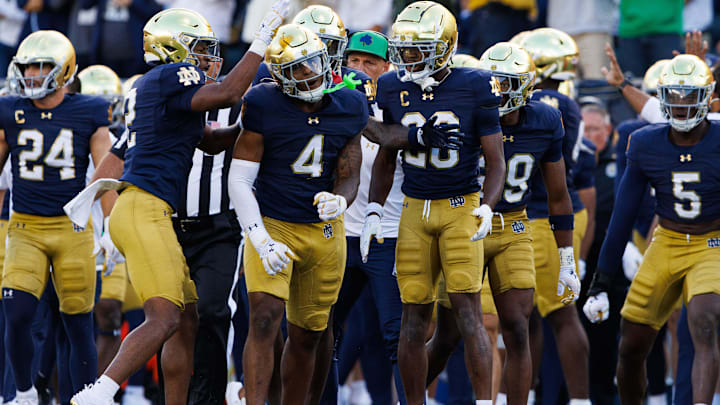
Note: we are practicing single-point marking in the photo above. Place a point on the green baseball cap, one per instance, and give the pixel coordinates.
(370, 42)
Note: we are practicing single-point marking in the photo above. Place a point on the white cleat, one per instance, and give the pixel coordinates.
(232, 393)
(89, 397)
(135, 395)
(26, 398)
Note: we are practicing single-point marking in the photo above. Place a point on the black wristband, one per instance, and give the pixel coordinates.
(624, 83)
(601, 282)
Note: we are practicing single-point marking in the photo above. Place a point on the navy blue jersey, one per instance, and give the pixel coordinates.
(163, 130)
(647, 208)
(5, 213)
(685, 179)
(584, 176)
(50, 149)
(537, 206)
(300, 149)
(466, 97)
(537, 138)
(367, 87)
(119, 148)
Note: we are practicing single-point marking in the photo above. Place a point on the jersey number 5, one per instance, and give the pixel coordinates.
(59, 156)
(419, 159)
(679, 179)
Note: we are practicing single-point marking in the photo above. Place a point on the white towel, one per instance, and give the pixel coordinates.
(79, 208)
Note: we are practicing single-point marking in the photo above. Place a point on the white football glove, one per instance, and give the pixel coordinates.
(272, 21)
(597, 308)
(371, 227)
(631, 260)
(486, 215)
(112, 255)
(582, 268)
(329, 205)
(275, 256)
(567, 277)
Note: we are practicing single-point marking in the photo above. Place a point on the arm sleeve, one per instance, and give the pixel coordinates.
(555, 151)
(621, 157)
(179, 83)
(486, 115)
(632, 188)
(571, 120)
(240, 182)
(251, 114)
(102, 115)
(120, 146)
(584, 177)
(651, 111)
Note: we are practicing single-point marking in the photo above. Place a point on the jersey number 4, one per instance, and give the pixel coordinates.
(420, 159)
(60, 155)
(310, 159)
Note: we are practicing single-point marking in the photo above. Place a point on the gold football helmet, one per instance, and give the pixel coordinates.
(42, 48)
(463, 60)
(327, 25)
(554, 52)
(424, 39)
(514, 69)
(652, 75)
(181, 35)
(298, 59)
(519, 37)
(684, 89)
(100, 80)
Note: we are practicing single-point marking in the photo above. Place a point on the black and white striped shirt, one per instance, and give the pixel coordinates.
(207, 186)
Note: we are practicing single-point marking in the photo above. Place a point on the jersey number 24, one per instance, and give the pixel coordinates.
(60, 156)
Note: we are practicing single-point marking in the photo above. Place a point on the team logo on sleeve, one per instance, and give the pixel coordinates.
(328, 231)
(188, 77)
(551, 101)
(495, 86)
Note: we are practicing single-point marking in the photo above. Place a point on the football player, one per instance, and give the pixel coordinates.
(555, 55)
(50, 136)
(303, 144)
(532, 135)
(442, 217)
(99, 80)
(677, 160)
(367, 53)
(164, 113)
(328, 26)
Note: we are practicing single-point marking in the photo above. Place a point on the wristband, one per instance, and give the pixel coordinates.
(562, 222)
(415, 137)
(624, 83)
(374, 208)
(567, 257)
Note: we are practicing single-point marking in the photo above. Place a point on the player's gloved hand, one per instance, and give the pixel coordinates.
(631, 260)
(568, 278)
(486, 215)
(597, 306)
(435, 136)
(371, 227)
(275, 256)
(582, 269)
(112, 255)
(268, 26)
(329, 205)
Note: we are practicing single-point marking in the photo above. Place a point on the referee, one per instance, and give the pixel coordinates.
(209, 233)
